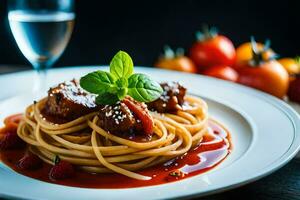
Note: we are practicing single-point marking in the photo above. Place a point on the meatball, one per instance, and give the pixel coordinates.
(118, 119)
(68, 101)
(171, 99)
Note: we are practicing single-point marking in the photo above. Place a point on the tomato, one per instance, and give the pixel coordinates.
(291, 65)
(177, 62)
(12, 122)
(244, 52)
(263, 72)
(212, 49)
(294, 90)
(140, 112)
(222, 72)
(269, 76)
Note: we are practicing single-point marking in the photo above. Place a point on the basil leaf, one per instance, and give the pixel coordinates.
(97, 82)
(143, 89)
(121, 66)
(122, 92)
(122, 82)
(107, 99)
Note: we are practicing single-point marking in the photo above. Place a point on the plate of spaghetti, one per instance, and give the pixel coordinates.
(121, 132)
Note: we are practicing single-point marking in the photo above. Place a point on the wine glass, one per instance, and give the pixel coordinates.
(42, 29)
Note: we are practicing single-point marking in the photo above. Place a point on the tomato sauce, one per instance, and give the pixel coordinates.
(213, 149)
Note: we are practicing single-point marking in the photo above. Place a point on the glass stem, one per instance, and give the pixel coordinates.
(40, 82)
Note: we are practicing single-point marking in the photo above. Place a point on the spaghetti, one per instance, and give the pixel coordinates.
(88, 146)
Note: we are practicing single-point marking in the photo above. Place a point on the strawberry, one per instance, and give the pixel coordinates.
(61, 170)
(11, 141)
(30, 162)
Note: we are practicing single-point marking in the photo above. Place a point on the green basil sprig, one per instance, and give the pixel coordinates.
(113, 86)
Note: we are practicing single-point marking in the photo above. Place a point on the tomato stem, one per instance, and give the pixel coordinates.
(179, 52)
(257, 55)
(267, 45)
(170, 54)
(206, 33)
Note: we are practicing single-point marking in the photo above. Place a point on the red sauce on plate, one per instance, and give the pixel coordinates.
(211, 151)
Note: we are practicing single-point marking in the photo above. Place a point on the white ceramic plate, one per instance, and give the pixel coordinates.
(265, 134)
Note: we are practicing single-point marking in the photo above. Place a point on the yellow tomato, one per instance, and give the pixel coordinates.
(244, 52)
(176, 61)
(181, 63)
(291, 65)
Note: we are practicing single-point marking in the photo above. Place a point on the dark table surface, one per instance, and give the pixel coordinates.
(283, 184)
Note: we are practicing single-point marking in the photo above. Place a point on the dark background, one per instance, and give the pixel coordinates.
(142, 28)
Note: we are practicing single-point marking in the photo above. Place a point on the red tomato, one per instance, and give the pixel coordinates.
(222, 72)
(12, 122)
(212, 49)
(294, 90)
(139, 111)
(269, 76)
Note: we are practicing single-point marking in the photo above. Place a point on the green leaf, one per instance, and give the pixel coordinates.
(114, 86)
(97, 82)
(143, 89)
(107, 99)
(122, 82)
(121, 66)
(122, 93)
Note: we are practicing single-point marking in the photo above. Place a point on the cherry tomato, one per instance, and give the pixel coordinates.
(269, 76)
(12, 122)
(244, 52)
(222, 72)
(291, 65)
(294, 90)
(212, 49)
(177, 61)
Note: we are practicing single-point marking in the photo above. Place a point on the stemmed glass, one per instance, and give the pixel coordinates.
(42, 29)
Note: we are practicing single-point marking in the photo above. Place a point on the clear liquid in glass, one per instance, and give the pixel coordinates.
(41, 36)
